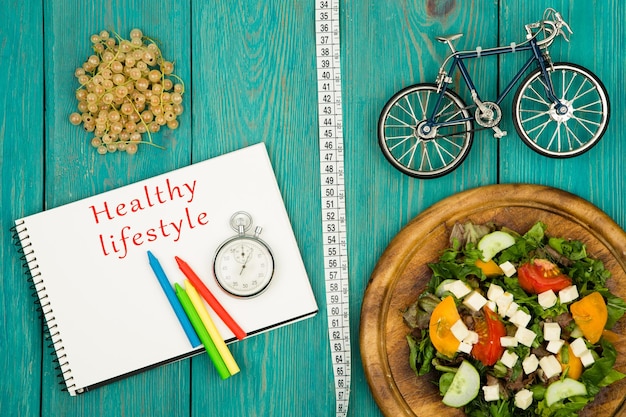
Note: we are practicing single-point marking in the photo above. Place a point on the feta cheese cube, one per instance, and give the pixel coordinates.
(547, 299)
(508, 268)
(503, 302)
(471, 338)
(513, 307)
(458, 288)
(509, 358)
(491, 392)
(530, 364)
(587, 358)
(550, 366)
(579, 347)
(520, 318)
(475, 301)
(492, 305)
(554, 346)
(494, 292)
(523, 399)
(551, 331)
(459, 330)
(508, 341)
(525, 336)
(465, 347)
(568, 294)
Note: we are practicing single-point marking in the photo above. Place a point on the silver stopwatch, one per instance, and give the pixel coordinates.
(244, 264)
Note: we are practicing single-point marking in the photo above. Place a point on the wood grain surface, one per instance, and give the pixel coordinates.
(250, 76)
(402, 273)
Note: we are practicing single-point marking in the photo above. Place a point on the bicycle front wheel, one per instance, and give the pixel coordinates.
(418, 147)
(568, 128)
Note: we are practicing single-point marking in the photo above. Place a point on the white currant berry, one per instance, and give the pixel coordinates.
(75, 119)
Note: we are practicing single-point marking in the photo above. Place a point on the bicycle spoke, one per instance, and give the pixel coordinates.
(412, 112)
(567, 128)
(538, 115)
(539, 99)
(411, 151)
(390, 138)
(402, 123)
(442, 112)
(541, 126)
(579, 94)
(402, 142)
(566, 88)
(423, 106)
(440, 150)
(452, 143)
(582, 122)
(571, 132)
(425, 165)
(583, 109)
(452, 116)
(554, 136)
(409, 112)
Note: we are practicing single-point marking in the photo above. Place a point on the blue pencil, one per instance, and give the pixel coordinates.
(173, 299)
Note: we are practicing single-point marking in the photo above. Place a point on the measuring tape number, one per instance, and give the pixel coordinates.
(333, 195)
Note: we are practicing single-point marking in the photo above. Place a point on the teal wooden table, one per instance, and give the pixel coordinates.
(250, 72)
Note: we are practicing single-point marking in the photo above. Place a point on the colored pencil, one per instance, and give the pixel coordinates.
(196, 322)
(171, 297)
(210, 298)
(209, 325)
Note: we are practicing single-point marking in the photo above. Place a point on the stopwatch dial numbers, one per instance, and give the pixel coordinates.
(244, 267)
(241, 253)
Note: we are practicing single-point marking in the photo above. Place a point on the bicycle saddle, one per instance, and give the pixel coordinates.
(449, 38)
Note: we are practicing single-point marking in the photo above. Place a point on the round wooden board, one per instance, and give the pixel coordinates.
(401, 275)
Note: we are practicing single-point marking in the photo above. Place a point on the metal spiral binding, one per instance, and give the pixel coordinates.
(51, 333)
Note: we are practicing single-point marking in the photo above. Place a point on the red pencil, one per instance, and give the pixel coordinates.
(210, 298)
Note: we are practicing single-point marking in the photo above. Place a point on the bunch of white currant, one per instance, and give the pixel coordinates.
(127, 89)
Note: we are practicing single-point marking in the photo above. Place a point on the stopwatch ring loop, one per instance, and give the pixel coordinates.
(241, 219)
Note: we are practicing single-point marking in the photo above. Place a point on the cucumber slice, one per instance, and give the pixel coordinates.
(441, 288)
(576, 332)
(493, 243)
(566, 388)
(464, 387)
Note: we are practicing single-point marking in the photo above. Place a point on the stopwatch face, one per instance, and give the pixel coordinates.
(244, 266)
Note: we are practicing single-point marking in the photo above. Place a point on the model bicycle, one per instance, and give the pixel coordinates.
(560, 109)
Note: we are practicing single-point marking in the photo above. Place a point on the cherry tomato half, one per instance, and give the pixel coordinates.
(540, 275)
(490, 329)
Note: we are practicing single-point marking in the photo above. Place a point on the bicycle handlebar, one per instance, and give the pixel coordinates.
(552, 25)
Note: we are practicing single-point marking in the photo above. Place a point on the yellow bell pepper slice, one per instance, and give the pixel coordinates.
(489, 268)
(590, 314)
(573, 366)
(442, 319)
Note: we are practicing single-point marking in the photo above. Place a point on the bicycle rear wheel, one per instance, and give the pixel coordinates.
(414, 146)
(568, 130)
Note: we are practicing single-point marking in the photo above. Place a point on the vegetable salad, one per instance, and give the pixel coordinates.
(515, 324)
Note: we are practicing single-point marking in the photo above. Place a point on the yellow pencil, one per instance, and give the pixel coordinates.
(198, 304)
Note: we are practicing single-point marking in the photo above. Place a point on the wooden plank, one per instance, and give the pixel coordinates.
(254, 75)
(597, 43)
(387, 46)
(21, 156)
(390, 46)
(74, 170)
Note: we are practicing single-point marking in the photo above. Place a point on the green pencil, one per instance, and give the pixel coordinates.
(203, 334)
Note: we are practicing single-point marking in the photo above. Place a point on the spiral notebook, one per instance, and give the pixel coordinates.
(104, 309)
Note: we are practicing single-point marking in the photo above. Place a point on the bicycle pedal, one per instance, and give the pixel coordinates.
(498, 133)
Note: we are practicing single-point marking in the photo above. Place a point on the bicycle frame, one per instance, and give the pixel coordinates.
(458, 59)
(559, 109)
